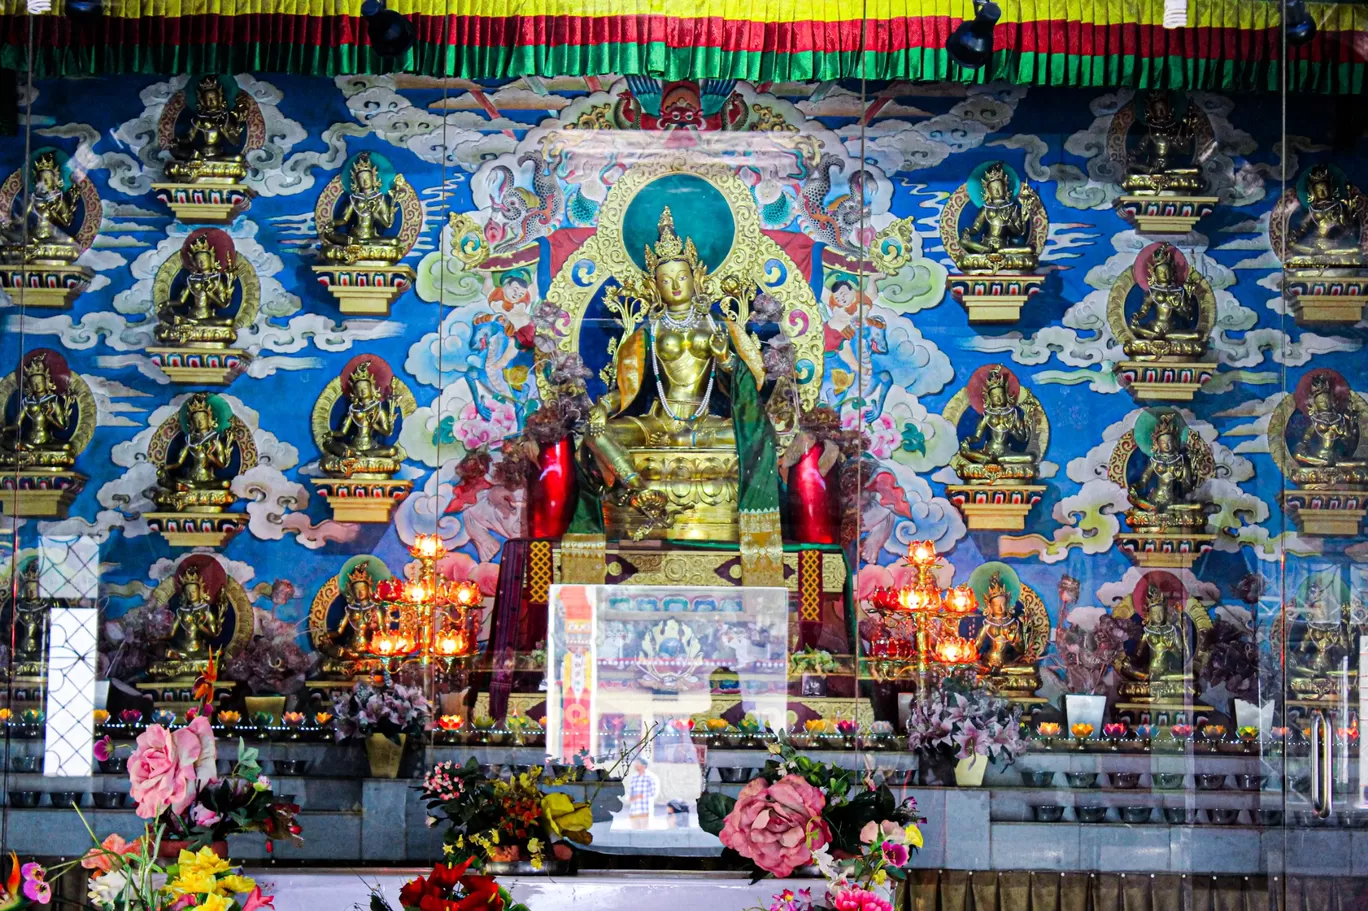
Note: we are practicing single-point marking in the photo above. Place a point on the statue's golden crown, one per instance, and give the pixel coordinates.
(997, 378)
(199, 402)
(36, 366)
(1319, 174)
(29, 572)
(996, 587)
(360, 573)
(190, 576)
(1165, 254)
(47, 161)
(362, 373)
(362, 162)
(201, 245)
(669, 248)
(1167, 425)
(1320, 384)
(996, 172)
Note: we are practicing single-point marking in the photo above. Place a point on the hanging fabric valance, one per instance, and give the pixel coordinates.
(1230, 44)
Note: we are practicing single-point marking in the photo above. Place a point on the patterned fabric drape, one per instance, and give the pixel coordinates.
(1230, 44)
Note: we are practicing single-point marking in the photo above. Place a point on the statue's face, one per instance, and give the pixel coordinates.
(1163, 273)
(203, 261)
(997, 396)
(211, 97)
(675, 282)
(997, 606)
(192, 592)
(37, 384)
(360, 590)
(366, 180)
(995, 190)
(363, 390)
(1159, 107)
(46, 180)
(1158, 611)
(1319, 190)
(201, 421)
(28, 587)
(1164, 442)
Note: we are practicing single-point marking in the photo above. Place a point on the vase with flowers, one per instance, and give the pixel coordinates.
(958, 730)
(383, 717)
(273, 666)
(800, 813)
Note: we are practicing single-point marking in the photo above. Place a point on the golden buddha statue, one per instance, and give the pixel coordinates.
(360, 616)
(999, 239)
(197, 620)
(1002, 632)
(673, 458)
(357, 448)
(198, 316)
(38, 436)
(1000, 447)
(189, 480)
(49, 218)
(1166, 323)
(1162, 161)
(31, 621)
(1326, 454)
(1322, 641)
(1164, 647)
(1330, 232)
(204, 155)
(356, 235)
(1166, 485)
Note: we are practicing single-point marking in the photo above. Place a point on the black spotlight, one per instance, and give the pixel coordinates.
(971, 43)
(390, 33)
(1298, 25)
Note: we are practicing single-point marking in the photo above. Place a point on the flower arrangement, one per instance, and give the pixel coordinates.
(393, 711)
(450, 888)
(959, 722)
(492, 820)
(274, 662)
(801, 812)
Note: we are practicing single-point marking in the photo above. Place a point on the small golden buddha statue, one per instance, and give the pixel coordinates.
(1330, 232)
(1162, 161)
(999, 239)
(685, 355)
(356, 235)
(190, 477)
(1164, 646)
(1326, 452)
(1166, 323)
(1325, 638)
(356, 448)
(1169, 479)
(37, 438)
(1000, 444)
(1001, 634)
(197, 620)
(360, 616)
(31, 622)
(204, 155)
(50, 218)
(198, 316)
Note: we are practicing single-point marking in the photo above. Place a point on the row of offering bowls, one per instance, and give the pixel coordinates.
(1161, 781)
(1174, 816)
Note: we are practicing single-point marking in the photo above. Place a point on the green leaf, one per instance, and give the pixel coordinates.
(713, 809)
(913, 440)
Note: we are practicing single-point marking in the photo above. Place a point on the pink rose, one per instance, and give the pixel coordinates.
(201, 815)
(777, 825)
(855, 899)
(168, 768)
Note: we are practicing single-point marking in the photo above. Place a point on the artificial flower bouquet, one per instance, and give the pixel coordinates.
(492, 820)
(959, 721)
(450, 888)
(800, 813)
(130, 877)
(393, 712)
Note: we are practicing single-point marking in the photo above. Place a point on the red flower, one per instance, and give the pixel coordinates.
(412, 892)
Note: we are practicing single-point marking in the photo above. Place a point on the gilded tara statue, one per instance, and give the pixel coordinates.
(210, 151)
(357, 234)
(1002, 236)
(1163, 160)
(199, 313)
(51, 218)
(39, 436)
(47, 418)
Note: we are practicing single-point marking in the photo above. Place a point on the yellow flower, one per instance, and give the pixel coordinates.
(880, 877)
(563, 815)
(236, 884)
(448, 850)
(100, 716)
(192, 883)
(913, 836)
(215, 903)
(202, 861)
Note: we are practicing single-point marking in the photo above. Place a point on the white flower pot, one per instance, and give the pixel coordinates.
(1249, 715)
(1085, 709)
(969, 772)
(101, 694)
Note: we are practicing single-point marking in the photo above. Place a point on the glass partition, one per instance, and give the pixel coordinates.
(998, 444)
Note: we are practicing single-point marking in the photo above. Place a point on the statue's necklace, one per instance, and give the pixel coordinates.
(687, 323)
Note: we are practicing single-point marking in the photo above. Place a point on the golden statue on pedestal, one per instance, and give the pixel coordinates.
(998, 251)
(345, 615)
(1163, 159)
(1319, 229)
(1162, 665)
(198, 452)
(1161, 464)
(47, 418)
(357, 235)
(1014, 632)
(685, 356)
(368, 219)
(209, 152)
(355, 425)
(1162, 311)
(30, 617)
(209, 611)
(1321, 637)
(999, 458)
(1315, 437)
(203, 294)
(46, 226)
(50, 217)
